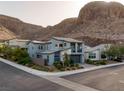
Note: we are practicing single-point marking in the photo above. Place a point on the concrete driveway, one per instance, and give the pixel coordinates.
(104, 79)
(14, 79)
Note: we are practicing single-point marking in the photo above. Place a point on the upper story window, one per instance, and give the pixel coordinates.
(73, 47)
(79, 47)
(56, 45)
(60, 45)
(40, 47)
(64, 44)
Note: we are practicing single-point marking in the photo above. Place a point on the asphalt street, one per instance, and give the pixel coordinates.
(109, 79)
(13, 79)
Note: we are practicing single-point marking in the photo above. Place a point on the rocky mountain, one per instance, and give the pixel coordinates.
(20, 28)
(98, 22)
(5, 34)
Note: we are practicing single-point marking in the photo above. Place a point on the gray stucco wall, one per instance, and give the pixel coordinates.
(54, 42)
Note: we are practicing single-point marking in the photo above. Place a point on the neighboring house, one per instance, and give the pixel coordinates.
(1, 43)
(55, 49)
(94, 53)
(35, 48)
(21, 43)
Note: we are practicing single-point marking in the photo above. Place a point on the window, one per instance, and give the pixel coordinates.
(92, 55)
(40, 47)
(57, 56)
(60, 45)
(64, 44)
(56, 45)
(73, 47)
(79, 47)
(38, 56)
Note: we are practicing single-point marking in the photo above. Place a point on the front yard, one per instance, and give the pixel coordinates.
(20, 56)
(101, 62)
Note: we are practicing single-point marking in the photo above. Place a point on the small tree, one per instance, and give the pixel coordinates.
(121, 49)
(103, 55)
(15, 54)
(115, 51)
(66, 60)
(110, 52)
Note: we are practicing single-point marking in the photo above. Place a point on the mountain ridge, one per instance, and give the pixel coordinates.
(98, 22)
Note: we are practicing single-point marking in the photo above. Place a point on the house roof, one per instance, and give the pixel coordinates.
(38, 42)
(20, 40)
(23, 40)
(67, 39)
(98, 47)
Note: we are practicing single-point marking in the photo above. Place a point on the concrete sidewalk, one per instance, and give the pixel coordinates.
(69, 84)
(57, 74)
(88, 65)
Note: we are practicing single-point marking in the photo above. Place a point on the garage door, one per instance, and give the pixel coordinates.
(76, 58)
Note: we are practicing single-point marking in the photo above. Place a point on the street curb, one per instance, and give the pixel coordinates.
(58, 74)
(51, 77)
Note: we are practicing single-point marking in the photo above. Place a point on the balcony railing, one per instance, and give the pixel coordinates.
(79, 50)
(73, 50)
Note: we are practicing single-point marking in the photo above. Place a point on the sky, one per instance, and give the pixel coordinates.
(44, 13)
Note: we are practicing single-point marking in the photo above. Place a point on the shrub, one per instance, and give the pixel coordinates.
(13, 58)
(66, 60)
(55, 63)
(24, 61)
(58, 65)
(88, 61)
(67, 68)
(103, 56)
(96, 62)
(81, 67)
(73, 68)
(62, 69)
(38, 67)
(51, 69)
(77, 65)
(71, 63)
(103, 62)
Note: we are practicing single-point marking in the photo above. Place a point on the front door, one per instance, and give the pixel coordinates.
(57, 56)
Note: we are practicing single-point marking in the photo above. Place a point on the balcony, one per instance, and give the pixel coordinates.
(73, 50)
(79, 50)
(76, 47)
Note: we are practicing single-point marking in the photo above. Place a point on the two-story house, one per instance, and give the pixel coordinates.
(35, 48)
(59, 46)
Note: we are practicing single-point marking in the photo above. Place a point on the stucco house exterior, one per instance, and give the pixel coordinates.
(21, 43)
(94, 53)
(55, 48)
(35, 48)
